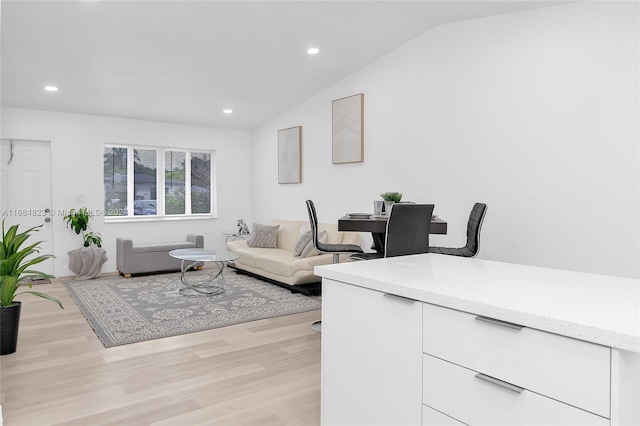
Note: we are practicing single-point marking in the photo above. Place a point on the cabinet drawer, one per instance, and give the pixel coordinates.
(431, 417)
(457, 391)
(566, 369)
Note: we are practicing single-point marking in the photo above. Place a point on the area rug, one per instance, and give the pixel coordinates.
(123, 311)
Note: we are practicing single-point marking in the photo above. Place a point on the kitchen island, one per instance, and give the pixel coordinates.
(432, 339)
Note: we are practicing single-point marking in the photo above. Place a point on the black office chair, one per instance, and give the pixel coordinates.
(473, 235)
(335, 249)
(407, 232)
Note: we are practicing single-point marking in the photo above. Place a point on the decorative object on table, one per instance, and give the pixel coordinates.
(390, 198)
(348, 130)
(471, 249)
(290, 155)
(377, 207)
(150, 307)
(15, 269)
(242, 227)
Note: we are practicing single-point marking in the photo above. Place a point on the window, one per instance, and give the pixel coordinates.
(174, 182)
(115, 181)
(161, 182)
(201, 182)
(144, 181)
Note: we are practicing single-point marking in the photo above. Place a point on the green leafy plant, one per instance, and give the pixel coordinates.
(92, 238)
(78, 220)
(392, 196)
(15, 265)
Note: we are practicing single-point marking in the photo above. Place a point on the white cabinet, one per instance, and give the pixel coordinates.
(371, 357)
(474, 399)
(572, 371)
(388, 360)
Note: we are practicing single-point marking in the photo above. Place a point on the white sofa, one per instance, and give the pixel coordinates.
(279, 265)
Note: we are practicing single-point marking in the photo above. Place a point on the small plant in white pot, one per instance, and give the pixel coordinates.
(390, 198)
(16, 262)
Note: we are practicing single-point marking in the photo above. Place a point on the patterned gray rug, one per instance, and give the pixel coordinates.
(123, 311)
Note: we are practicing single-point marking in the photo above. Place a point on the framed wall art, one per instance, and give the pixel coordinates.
(348, 130)
(290, 155)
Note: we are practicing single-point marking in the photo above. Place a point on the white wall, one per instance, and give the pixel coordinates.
(77, 145)
(534, 113)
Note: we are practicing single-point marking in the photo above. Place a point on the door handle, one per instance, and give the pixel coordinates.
(500, 322)
(401, 298)
(498, 382)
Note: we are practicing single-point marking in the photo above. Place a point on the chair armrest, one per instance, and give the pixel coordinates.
(198, 240)
(124, 248)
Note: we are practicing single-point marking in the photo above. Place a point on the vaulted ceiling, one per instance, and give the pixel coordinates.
(186, 61)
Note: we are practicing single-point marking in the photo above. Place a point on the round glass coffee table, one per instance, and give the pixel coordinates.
(209, 285)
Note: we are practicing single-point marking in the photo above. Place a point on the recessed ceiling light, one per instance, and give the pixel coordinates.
(51, 88)
(313, 51)
(227, 111)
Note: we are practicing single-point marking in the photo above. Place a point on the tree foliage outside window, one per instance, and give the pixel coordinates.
(115, 181)
(134, 176)
(200, 182)
(144, 181)
(174, 182)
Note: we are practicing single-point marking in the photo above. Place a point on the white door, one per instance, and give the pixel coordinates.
(25, 191)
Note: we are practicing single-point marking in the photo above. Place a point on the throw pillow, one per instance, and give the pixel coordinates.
(310, 249)
(303, 241)
(264, 236)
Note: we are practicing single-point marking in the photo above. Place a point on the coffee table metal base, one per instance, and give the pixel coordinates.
(205, 286)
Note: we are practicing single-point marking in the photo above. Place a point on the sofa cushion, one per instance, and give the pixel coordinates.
(277, 261)
(264, 236)
(288, 233)
(310, 249)
(166, 246)
(303, 241)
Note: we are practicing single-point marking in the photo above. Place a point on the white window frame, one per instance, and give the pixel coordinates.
(160, 184)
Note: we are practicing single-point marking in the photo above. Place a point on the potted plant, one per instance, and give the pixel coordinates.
(78, 220)
(86, 262)
(389, 199)
(15, 264)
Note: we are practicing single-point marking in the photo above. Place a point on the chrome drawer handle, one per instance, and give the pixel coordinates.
(402, 298)
(498, 382)
(499, 322)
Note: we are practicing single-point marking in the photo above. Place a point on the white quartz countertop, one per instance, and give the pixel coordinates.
(595, 308)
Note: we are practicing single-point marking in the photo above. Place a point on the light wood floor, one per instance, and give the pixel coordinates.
(260, 373)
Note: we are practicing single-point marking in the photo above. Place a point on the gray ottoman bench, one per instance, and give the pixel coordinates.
(151, 257)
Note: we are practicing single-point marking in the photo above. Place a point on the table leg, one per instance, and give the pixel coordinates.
(378, 241)
(204, 286)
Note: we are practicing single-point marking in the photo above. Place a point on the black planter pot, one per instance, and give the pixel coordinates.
(9, 322)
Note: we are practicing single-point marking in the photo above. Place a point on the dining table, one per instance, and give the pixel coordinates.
(377, 225)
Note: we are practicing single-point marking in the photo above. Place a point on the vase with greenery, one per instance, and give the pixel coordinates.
(389, 199)
(16, 262)
(78, 220)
